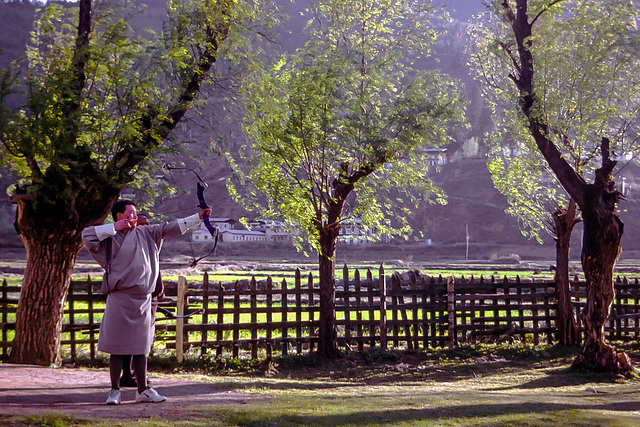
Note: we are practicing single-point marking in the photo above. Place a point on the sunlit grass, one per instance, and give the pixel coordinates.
(445, 388)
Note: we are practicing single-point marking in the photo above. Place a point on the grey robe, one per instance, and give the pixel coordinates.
(130, 280)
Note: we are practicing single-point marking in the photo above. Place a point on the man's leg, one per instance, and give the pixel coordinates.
(145, 393)
(140, 370)
(115, 368)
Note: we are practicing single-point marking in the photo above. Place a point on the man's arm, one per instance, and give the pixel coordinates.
(92, 237)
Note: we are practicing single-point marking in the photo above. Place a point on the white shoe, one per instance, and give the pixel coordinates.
(149, 395)
(114, 397)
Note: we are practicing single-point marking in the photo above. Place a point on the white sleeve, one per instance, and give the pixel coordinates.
(189, 222)
(105, 230)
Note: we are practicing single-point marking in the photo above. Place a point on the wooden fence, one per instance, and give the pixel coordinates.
(257, 319)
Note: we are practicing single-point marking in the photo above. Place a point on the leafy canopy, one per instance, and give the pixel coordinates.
(586, 56)
(76, 114)
(352, 107)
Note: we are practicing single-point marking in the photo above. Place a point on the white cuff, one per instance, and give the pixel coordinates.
(105, 230)
(188, 222)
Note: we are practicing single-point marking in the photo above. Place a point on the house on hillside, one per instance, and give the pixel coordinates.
(352, 232)
(201, 234)
(275, 231)
(239, 236)
(436, 156)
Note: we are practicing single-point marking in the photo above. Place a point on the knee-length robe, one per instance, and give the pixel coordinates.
(130, 279)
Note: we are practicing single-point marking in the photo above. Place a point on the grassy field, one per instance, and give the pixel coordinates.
(506, 385)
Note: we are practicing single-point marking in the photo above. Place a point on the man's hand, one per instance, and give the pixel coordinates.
(125, 224)
(205, 213)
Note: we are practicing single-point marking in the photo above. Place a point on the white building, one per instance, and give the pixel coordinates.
(201, 234)
(238, 236)
(352, 232)
(275, 231)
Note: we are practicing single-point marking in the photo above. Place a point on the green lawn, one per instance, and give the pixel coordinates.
(472, 386)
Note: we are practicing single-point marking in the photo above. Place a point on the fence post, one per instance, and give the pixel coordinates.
(204, 332)
(382, 280)
(451, 308)
(181, 301)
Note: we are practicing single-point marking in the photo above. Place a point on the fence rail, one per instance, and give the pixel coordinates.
(257, 319)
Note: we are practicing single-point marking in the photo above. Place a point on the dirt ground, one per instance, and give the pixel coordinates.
(38, 390)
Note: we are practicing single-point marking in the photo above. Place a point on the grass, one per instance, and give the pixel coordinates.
(482, 385)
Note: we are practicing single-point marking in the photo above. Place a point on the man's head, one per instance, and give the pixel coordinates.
(123, 209)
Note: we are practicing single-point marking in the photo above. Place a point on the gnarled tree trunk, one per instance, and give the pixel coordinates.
(328, 335)
(601, 248)
(564, 220)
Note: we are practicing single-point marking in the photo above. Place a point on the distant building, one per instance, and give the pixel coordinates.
(352, 232)
(201, 234)
(436, 156)
(260, 231)
(275, 231)
(238, 236)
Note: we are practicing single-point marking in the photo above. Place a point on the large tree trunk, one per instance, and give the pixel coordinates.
(51, 254)
(601, 248)
(564, 220)
(328, 338)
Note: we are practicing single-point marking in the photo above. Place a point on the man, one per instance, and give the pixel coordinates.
(130, 257)
(127, 379)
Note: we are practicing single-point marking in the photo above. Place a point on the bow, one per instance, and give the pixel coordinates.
(202, 204)
(170, 315)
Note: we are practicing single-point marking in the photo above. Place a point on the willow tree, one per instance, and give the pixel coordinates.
(540, 205)
(98, 100)
(336, 127)
(564, 72)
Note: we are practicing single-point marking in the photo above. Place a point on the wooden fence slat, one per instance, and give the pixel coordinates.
(346, 304)
(383, 307)
(204, 334)
(283, 307)
(181, 303)
(297, 288)
(220, 318)
(356, 284)
(269, 323)
(254, 318)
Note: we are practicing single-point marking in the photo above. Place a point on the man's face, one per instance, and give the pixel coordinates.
(130, 214)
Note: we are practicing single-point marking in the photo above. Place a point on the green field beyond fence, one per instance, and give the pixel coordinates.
(260, 319)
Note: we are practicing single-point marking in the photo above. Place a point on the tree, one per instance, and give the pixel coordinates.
(573, 85)
(337, 130)
(531, 192)
(98, 102)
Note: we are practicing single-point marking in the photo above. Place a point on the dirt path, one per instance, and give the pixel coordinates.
(37, 390)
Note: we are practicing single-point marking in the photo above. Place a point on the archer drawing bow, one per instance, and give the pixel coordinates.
(201, 185)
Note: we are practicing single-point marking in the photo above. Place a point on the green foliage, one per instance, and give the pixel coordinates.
(89, 113)
(586, 56)
(350, 108)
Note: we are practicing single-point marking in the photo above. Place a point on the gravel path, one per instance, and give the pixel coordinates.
(37, 390)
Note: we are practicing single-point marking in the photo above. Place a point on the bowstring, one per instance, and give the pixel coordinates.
(193, 262)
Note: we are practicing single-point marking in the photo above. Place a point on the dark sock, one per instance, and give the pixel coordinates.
(115, 368)
(140, 369)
